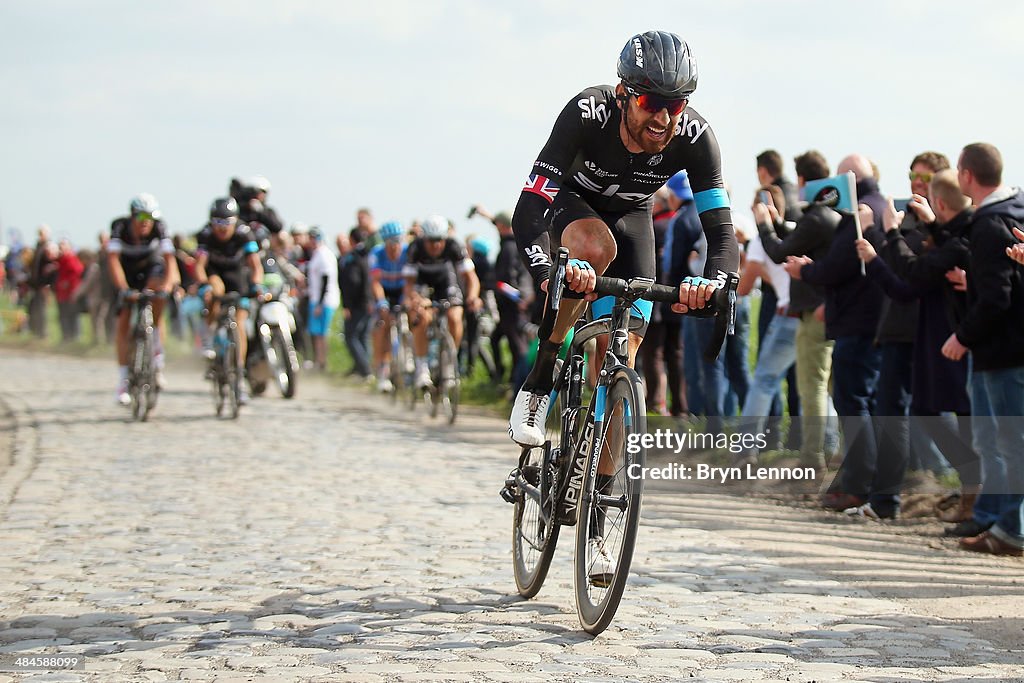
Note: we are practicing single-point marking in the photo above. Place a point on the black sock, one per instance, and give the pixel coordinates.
(540, 380)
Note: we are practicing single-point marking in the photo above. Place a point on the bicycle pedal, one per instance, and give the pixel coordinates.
(509, 492)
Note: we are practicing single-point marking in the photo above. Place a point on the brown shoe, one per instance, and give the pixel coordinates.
(841, 501)
(987, 543)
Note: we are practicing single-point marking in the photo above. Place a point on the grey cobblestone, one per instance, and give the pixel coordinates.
(352, 542)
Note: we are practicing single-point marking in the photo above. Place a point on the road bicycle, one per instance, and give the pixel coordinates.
(225, 373)
(587, 472)
(402, 356)
(443, 361)
(142, 386)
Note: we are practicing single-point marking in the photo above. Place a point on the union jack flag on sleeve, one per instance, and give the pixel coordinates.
(544, 187)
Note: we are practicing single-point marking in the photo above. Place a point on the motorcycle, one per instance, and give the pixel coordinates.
(271, 352)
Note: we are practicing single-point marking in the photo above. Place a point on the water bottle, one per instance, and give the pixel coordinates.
(220, 341)
(432, 353)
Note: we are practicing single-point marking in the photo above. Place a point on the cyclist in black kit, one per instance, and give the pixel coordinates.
(590, 190)
(227, 260)
(434, 265)
(140, 255)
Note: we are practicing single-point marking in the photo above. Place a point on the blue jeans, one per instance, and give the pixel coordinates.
(735, 356)
(893, 412)
(997, 404)
(855, 366)
(357, 339)
(777, 355)
(717, 374)
(693, 366)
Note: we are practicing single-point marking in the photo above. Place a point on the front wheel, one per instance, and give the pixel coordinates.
(609, 514)
(449, 387)
(285, 364)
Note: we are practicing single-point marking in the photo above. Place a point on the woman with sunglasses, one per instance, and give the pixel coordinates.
(140, 256)
(590, 190)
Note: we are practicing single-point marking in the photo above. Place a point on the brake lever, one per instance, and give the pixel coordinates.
(556, 285)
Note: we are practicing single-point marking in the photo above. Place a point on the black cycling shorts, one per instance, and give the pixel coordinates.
(234, 280)
(633, 232)
(393, 297)
(452, 294)
(138, 277)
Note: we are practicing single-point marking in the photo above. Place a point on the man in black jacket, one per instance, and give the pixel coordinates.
(811, 237)
(992, 331)
(769, 172)
(852, 307)
(513, 293)
(942, 214)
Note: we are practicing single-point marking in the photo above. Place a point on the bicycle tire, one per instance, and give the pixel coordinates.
(284, 368)
(149, 387)
(232, 373)
(449, 375)
(598, 599)
(536, 515)
(396, 374)
(135, 376)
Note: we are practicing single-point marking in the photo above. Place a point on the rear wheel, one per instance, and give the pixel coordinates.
(535, 525)
(610, 511)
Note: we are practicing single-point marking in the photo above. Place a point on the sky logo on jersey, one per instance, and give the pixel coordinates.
(693, 128)
(542, 187)
(592, 110)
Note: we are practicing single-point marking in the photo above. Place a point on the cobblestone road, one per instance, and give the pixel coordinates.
(328, 538)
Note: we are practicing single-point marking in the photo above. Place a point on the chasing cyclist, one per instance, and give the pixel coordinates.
(227, 260)
(590, 190)
(140, 255)
(386, 263)
(436, 262)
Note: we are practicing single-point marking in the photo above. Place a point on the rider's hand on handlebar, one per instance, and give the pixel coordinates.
(580, 277)
(694, 294)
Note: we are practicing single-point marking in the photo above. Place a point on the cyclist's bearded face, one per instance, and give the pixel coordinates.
(650, 131)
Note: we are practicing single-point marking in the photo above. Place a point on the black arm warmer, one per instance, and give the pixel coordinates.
(723, 250)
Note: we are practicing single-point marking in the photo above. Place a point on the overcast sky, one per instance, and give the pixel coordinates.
(414, 107)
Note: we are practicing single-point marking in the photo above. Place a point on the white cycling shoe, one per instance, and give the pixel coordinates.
(422, 379)
(122, 396)
(526, 424)
(602, 563)
(385, 386)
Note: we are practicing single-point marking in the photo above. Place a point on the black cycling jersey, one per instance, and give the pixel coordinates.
(441, 273)
(139, 255)
(585, 154)
(226, 258)
(229, 254)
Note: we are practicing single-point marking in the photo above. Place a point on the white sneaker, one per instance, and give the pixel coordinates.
(161, 382)
(526, 424)
(385, 386)
(602, 563)
(422, 379)
(122, 396)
